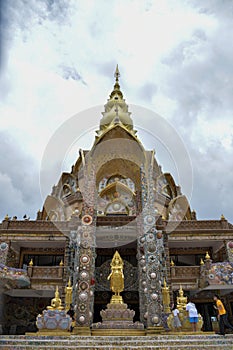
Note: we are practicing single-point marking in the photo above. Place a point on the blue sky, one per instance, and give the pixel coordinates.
(58, 59)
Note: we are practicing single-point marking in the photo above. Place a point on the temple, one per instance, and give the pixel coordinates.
(115, 198)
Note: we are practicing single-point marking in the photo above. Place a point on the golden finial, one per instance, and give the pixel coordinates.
(207, 256)
(223, 217)
(201, 262)
(6, 217)
(164, 283)
(61, 263)
(31, 263)
(116, 93)
(117, 73)
(172, 263)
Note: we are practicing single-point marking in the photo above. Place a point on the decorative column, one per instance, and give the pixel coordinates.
(229, 251)
(85, 258)
(152, 261)
(202, 278)
(208, 261)
(4, 248)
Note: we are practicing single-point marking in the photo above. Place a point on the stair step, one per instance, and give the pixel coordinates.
(162, 342)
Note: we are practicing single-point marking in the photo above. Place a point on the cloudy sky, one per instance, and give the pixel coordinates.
(58, 58)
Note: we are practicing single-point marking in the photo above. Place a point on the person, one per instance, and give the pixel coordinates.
(222, 315)
(71, 313)
(193, 315)
(176, 319)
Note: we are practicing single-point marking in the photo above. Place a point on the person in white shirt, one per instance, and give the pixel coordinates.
(193, 315)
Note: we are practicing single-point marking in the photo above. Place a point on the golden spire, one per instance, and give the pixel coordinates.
(116, 110)
(207, 256)
(201, 262)
(69, 283)
(116, 90)
(117, 73)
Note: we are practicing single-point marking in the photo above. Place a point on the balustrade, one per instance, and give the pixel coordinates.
(45, 272)
(186, 276)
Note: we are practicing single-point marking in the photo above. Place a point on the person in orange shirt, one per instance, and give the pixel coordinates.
(222, 315)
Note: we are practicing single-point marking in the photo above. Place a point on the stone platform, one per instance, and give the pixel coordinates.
(117, 319)
(160, 342)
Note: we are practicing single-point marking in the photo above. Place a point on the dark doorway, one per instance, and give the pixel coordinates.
(209, 316)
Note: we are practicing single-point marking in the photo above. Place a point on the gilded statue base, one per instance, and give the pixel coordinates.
(116, 299)
(154, 330)
(117, 316)
(83, 331)
(118, 332)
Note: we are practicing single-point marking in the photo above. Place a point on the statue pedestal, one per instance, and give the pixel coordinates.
(53, 321)
(118, 317)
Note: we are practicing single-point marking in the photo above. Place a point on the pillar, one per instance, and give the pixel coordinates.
(152, 260)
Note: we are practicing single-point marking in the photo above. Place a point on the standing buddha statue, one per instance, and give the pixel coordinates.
(116, 278)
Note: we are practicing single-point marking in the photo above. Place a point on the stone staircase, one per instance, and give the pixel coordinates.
(161, 342)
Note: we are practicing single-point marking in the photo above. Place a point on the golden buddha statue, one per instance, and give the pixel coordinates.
(116, 278)
(181, 300)
(56, 302)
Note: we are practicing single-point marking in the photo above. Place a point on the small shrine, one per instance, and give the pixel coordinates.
(54, 320)
(117, 319)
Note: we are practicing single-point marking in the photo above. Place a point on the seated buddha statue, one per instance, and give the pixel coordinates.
(181, 300)
(56, 302)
